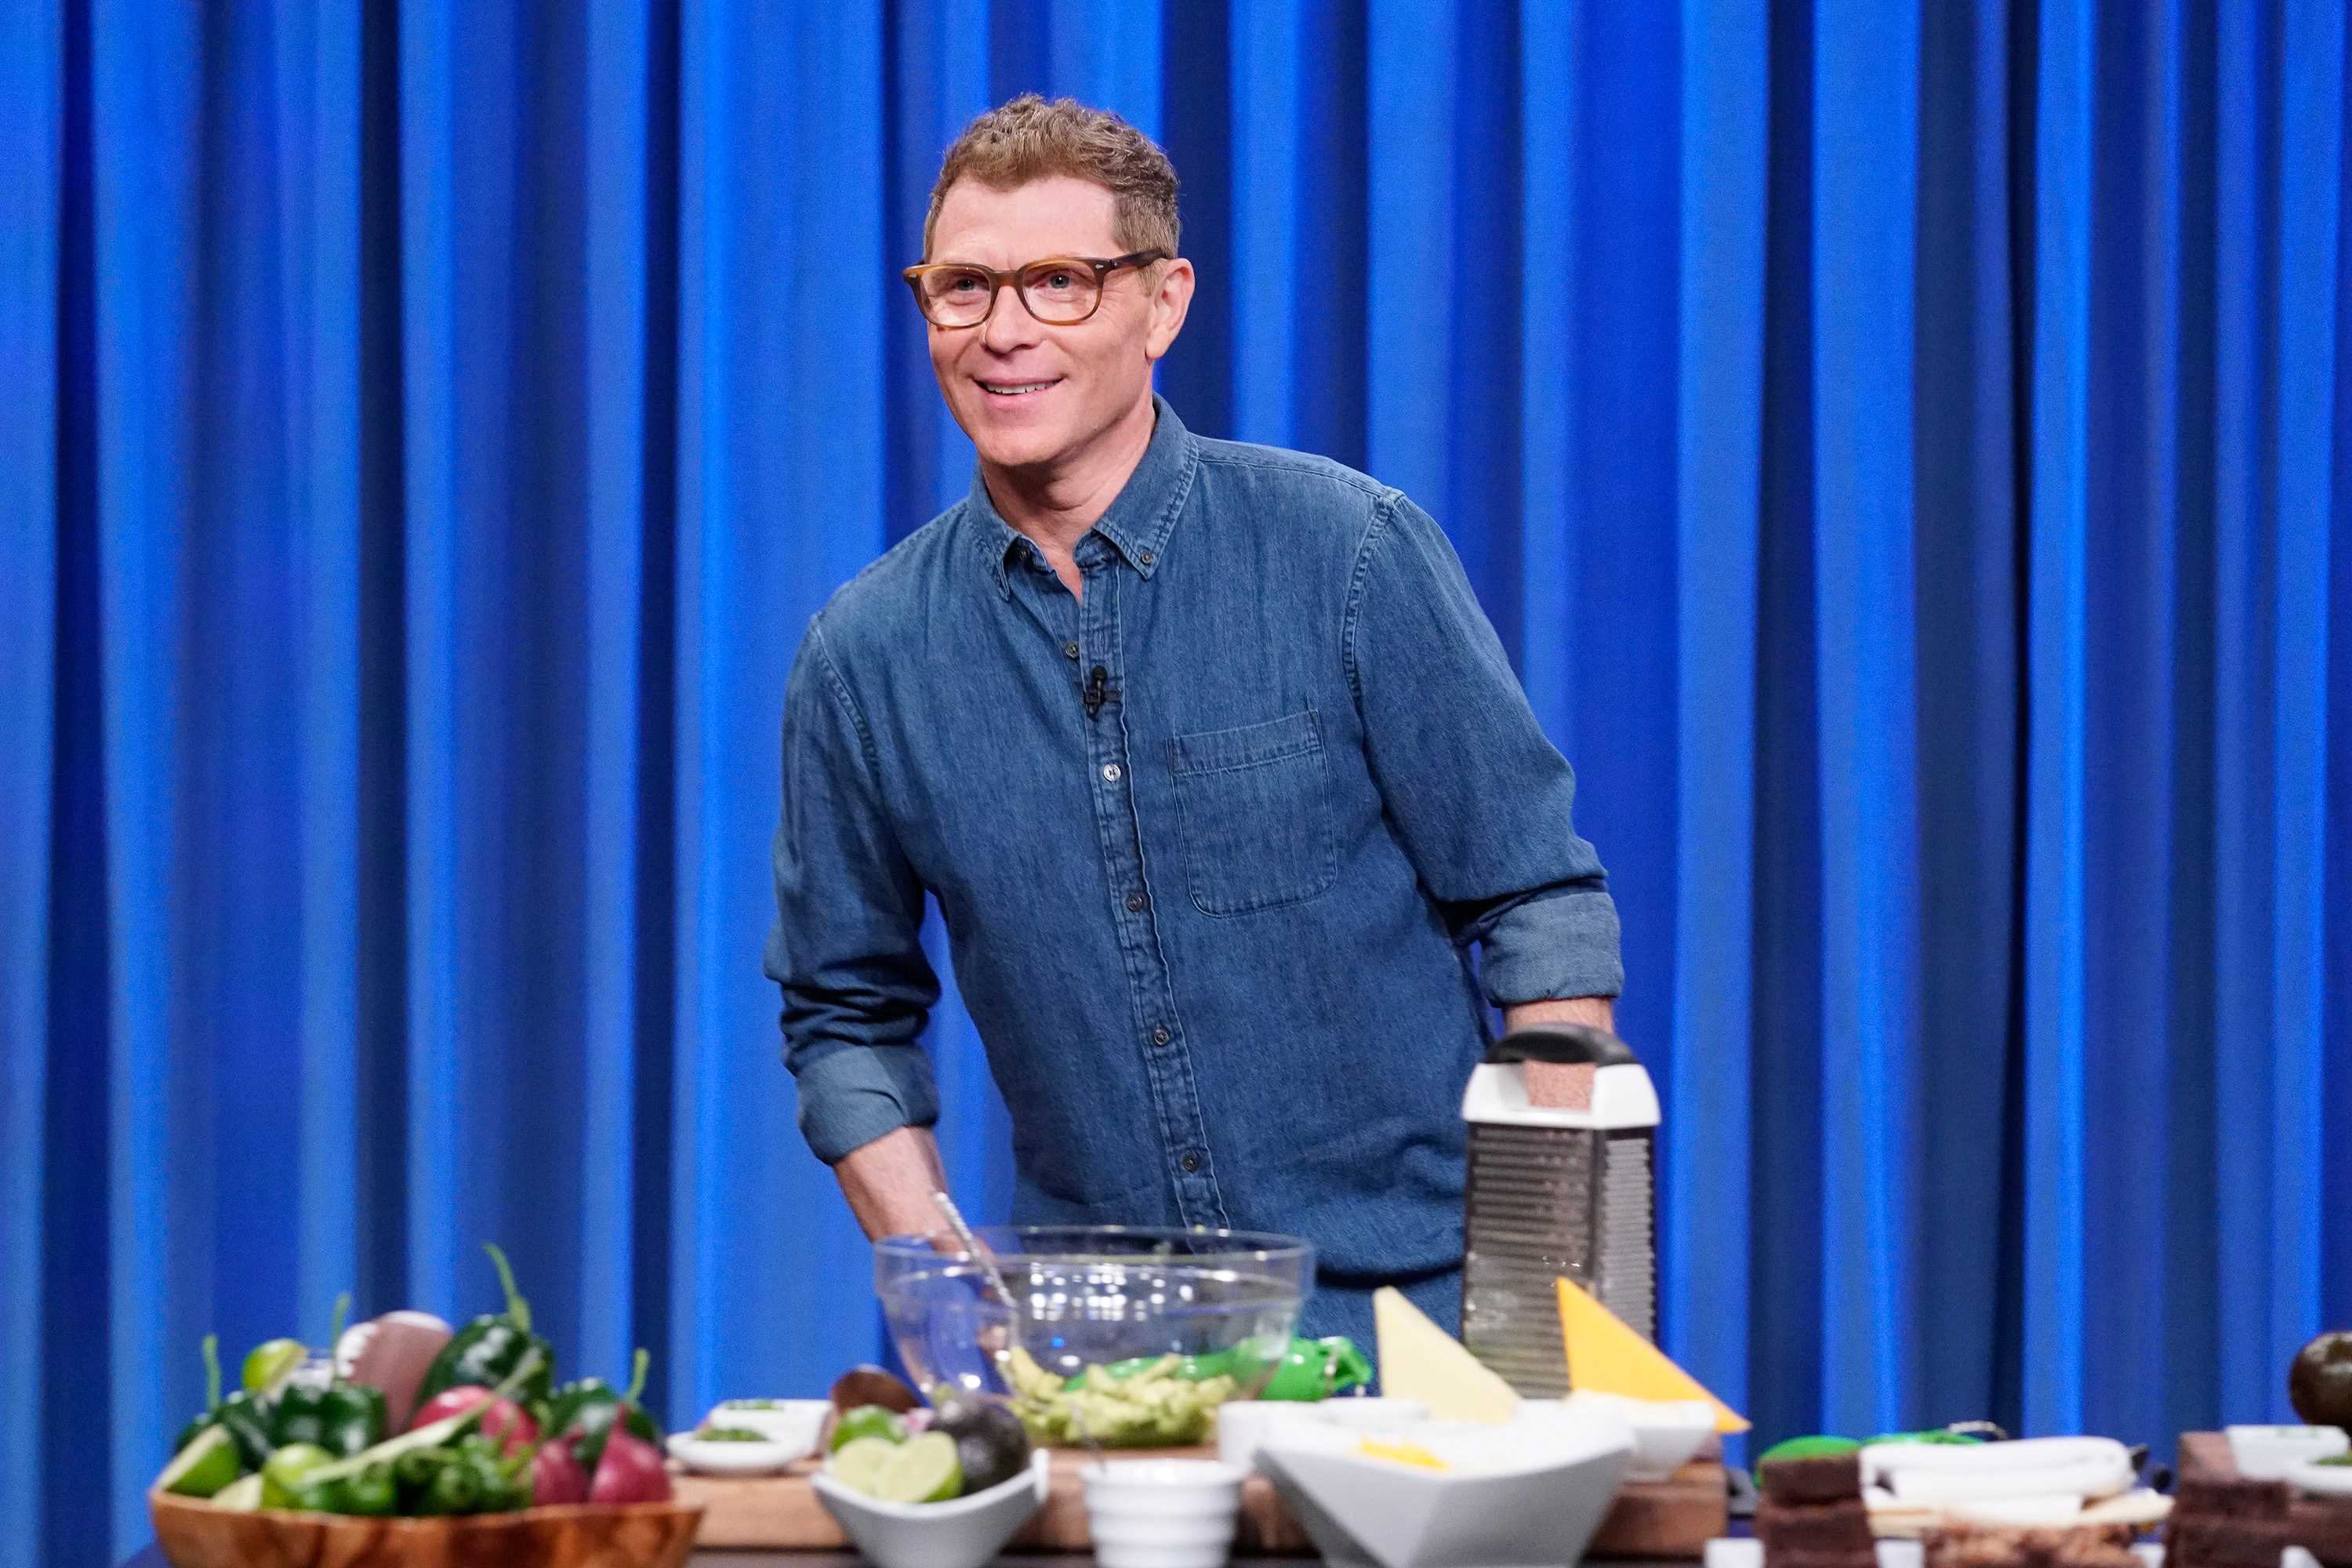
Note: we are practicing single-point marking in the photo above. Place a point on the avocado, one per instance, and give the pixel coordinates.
(989, 1440)
(2319, 1381)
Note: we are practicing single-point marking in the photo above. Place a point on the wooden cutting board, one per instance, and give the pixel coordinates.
(1673, 1518)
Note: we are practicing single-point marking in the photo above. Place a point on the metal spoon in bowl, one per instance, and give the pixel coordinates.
(1004, 1294)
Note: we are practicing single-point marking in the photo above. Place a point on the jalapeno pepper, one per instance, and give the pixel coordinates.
(486, 1349)
(585, 1411)
(454, 1488)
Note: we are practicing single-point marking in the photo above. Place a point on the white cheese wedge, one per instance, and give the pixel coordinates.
(1421, 1361)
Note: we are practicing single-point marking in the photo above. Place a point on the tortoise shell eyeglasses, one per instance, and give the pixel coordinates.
(1060, 291)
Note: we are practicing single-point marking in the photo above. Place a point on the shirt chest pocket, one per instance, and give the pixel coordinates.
(1254, 805)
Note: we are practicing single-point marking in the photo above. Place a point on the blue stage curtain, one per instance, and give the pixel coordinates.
(1907, 448)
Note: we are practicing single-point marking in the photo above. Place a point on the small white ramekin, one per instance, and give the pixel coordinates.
(1162, 1513)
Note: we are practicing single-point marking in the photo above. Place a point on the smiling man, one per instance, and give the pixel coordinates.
(1215, 768)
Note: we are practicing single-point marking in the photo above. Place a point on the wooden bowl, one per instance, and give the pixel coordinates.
(196, 1534)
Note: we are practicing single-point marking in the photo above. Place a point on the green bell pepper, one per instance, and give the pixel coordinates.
(486, 1349)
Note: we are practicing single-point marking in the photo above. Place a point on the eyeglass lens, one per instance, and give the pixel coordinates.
(1055, 293)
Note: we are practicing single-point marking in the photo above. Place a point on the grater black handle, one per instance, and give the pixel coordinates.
(1569, 1044)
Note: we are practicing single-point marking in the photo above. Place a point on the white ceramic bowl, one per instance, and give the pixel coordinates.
(2321, 1480)
(1243, 1424)
(793, 1422)
(963, 1533)
(2263, 1453)
(705, 1457)
(1519, 1495)
(1667, 1432)
(1162, 1513)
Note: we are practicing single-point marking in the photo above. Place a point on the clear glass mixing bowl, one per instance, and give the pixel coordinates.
(1091, 1296)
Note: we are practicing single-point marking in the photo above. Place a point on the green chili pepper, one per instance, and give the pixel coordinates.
(584, 1410)
(486, 1349)
(211, 1413)
(245, 1416)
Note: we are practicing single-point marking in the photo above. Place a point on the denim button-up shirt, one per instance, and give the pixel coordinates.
(1212, 843)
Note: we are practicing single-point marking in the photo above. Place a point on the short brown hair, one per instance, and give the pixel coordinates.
(1030, 139)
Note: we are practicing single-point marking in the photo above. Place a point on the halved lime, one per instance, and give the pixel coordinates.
(267, 1363)
(858, 1464)
(285, 1469)
(207, 1465)
(924, 1468)
(869, 1421)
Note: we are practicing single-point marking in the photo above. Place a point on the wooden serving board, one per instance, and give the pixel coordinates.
(1673, 1518)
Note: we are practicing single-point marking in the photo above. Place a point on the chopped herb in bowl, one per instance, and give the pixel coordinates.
(731, 1435)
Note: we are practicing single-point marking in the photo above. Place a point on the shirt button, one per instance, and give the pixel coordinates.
(1110, 773)
(1160, 1037)
(1070, 649)
(1191, 1161)
(1145, 557)
(1135, 902)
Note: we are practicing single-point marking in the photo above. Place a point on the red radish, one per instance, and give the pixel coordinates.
(504, 1423)
(630, 1471)
(556, 1476)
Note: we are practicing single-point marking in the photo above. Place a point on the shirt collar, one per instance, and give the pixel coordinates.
(1139, 522)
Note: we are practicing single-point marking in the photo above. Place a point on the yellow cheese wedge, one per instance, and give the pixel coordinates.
(1606, 1355)
(1421, 1361)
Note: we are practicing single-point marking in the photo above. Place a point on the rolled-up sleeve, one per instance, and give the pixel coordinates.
(846, 947)
(1480, 797)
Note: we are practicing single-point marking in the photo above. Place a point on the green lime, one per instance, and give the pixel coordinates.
(285, 1469)
(858, 1464)
(924, 1468)
(266, 1364)
(869, 1421)
(207, 1465)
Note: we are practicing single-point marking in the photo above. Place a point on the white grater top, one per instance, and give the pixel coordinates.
(1623, 1095)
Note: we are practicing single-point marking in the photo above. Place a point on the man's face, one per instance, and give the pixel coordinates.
(1032, 395)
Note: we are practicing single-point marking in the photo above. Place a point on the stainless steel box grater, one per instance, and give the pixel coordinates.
(1554, 1190)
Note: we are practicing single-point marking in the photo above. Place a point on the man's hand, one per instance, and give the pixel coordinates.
(1601, 1012)
(890, 1183)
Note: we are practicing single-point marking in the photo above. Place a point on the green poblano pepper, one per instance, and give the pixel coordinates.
(584, 1413)
(247, 1418)
(343, 1418)
(491, 1347)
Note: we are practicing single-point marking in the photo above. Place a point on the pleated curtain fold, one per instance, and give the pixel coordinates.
(1907, 449)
